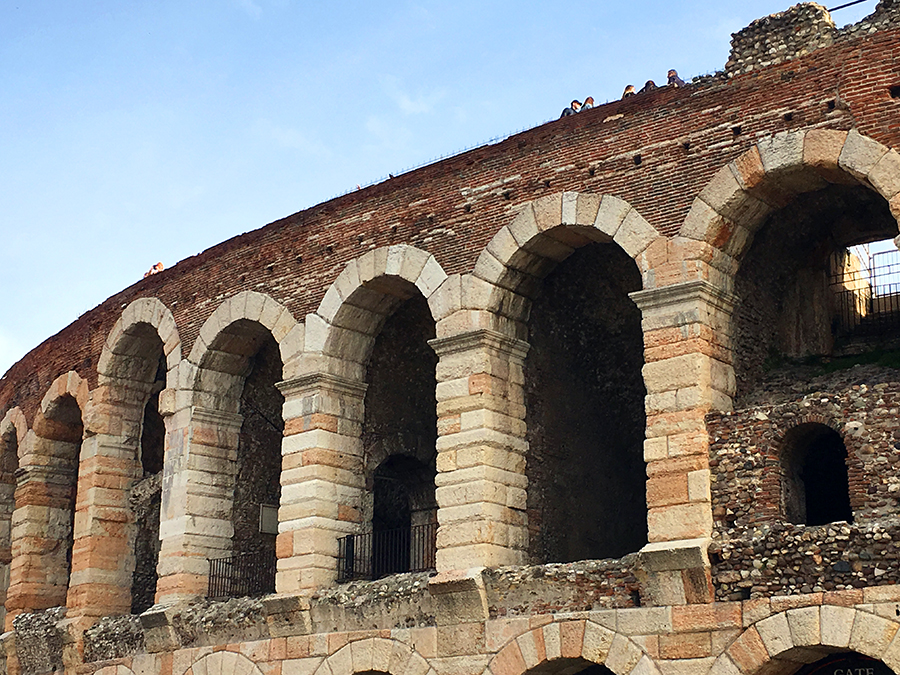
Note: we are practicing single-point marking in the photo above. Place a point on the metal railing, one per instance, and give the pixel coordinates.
(243, 574)
(867, 297)
(377, 554)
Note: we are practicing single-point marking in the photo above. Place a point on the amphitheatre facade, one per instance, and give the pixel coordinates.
(571, 402)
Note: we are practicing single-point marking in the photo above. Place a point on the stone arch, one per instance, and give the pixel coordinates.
(380, 655)
(125, 440)
(241, 353)
(522, 288)
(222, 663)
(545, 232)
(13, 429)
(153, 313)
(42, 523)
(806, 634)
(364, 294)
(248, 306)
(572, 641)
(67, 384)
(730, 209)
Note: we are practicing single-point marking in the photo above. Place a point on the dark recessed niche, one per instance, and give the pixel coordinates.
(591, 172)
(507, 194)
(736, 130)
(637, 160)
(299, 258)
(686, 145)
(329, 249)
(546, 183)
(830, 104)
(467, 208)
(788, 116)
(895, 91)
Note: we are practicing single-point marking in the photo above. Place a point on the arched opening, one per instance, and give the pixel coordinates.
(815, 486)
(9, 464)
(238, 378)
(145, 497)
(257, 487)
(399, 435)
(569, 667)
(58, 435)
(799, 291)
(584, 397)
(849, 663)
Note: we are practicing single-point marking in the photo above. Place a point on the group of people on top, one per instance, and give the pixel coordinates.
(650, 85)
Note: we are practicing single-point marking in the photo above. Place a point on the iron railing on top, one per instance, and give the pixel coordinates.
(377, 554)
(867, 297)
(243, 574)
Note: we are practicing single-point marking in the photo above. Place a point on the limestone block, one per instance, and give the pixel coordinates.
(459, 596)
(570, 209)
(699, 486)
(871, 634)
(804, 626)
(431, 277)
(775, 634)
(293, 343)
(486, 554)
(891, 655)
(748, 652)
(836, 625)
(704, 223)
(684, 521)
(677, 372)
(610, 214)
(635, 234)
(724, 666)
(548, 211)
(885, 175)
(586, 209)
(644, 621)
(782, 152)
(447, 298)
(860, 154)
(342, 660)
(597, 641)
(727, 198)
(531, 647)
(623, 655)
(822, 149)
(521, 231)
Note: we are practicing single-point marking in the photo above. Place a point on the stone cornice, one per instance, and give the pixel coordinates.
(480, 339)
(298, 386)
(700, 289)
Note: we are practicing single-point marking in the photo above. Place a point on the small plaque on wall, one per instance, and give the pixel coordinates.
(268, 519)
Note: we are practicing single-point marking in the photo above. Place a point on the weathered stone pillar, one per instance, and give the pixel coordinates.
(197, 493)
(39, 571)
(687, 373)
(102, 556)
(322, 479)
(481, 484)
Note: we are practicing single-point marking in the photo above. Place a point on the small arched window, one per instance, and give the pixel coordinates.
(815, 487)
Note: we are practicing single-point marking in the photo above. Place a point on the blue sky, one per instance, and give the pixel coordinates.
(136, 131)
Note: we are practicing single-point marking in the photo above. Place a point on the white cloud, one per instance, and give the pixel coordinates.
(250, 7)
(409, 104)
(290, 138)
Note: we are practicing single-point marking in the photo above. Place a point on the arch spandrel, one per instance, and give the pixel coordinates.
(571, 642)
(14, 423)
(734, 204)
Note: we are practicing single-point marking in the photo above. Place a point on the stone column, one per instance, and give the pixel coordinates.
(481, 484)
(322, 479)
(687, 373)
(102, 559)
(39, 572)
(197, 493)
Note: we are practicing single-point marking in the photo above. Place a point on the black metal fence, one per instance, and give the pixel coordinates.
(377, 554)
(243, 574)
(867, 297)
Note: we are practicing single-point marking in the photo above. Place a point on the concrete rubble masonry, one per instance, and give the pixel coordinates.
(618, 394)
